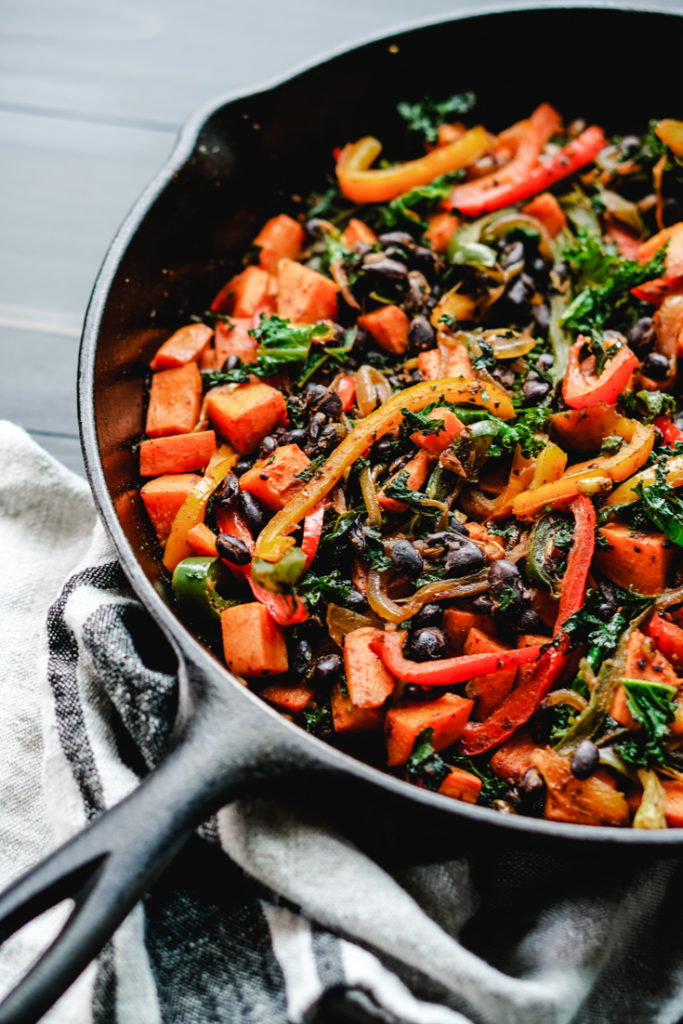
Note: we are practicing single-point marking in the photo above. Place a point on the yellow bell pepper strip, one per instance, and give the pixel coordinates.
(362, 184)
(627, 493)
(671, 134)
(192, 510)
(445, 671)
(273, 541)
(593, 477)
(581, 387)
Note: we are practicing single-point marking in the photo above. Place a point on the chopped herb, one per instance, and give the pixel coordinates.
(647, 405)
(563, 717)
(662, 506)
(493, 787)
(424, 765)
(316, 589)
(318, 719)
(486, 360)
(421, 422)
(309, 471)
(588, 626)
(425, 116)
(213, 378)
(403, 210)
(611, 445)
(653, 705)
(522, 432)
(507, 598)
(281, 343)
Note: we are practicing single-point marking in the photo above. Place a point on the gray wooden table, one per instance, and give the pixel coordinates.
(92, 95)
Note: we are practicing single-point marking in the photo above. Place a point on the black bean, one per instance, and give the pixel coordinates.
(518, 293)
(390, 269)
(356, 537)
(656, 366)
(401, 238)
(512, 253)
(314, 391)
(585, 759)
(532, 782)
(546, 360)
(504, 374)
(303, 657)
(268, 445)
(328, 438)
(231, 363)
(242, 465)
(253, 511)
(528, 621)
(232, 549)
(503, 574)
(531, 792)
(296, 436)
(418, 289)
(414, 692)
(428, 615)
(406, 559)
(464, 558)
(539, 271)
(382, 448)
(455, 526)
(482, 604)
(541, 316)
(227, 491)
(327, 668)
(641, 336)
(425, 644)
(535, 390)
(672, 211)
(316, 425)
(355, 602)
(330, 405)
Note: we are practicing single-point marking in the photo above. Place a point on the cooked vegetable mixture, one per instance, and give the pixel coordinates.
(415, 471)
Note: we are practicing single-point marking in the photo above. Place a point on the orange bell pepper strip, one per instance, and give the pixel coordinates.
(576, 154)
(273, 540)
(285, 610)
(525, 143)
(191, 512)
(346, 389)
(362, 184)
(582, 388)
(445, 671)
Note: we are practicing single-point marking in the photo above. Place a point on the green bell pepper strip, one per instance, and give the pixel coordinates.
(195, 587)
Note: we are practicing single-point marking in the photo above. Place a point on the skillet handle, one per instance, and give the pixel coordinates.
(219, 751)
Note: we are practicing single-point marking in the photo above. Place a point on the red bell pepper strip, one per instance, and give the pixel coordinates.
(578, 560)
(285, 610)
(444, 671)
(576, 154)
(582, 388)
(313, 526)
(672, 435)
(519, 705)
(668, 638)
(346, 389)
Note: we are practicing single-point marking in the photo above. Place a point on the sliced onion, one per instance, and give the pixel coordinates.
(509, 344)
(341, 621)
(669, 597)
(510, 221)
(369, 492)
(442, 590)
(379, 600)
(571, 697)
(340, 278)
(372, 388)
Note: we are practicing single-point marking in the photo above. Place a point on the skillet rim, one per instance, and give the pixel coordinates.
(320, 754)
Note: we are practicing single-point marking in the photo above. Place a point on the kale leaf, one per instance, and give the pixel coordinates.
(588, 625)
(662, 506)
(653, 705)
(426, 115)
(421, 422)
(521, 431)
(424, 764)
(316, 589)
(647, 405)
(403, 210)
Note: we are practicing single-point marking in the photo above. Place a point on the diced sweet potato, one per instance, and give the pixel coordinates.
(358, 231)
(446, 716)
(186, 345)
(202, 540)
(273, 480)
(245, 416)
(490, 690)
(643, 661)
(244, 294)
(368, 682)
(175, 398)
(163, 497)
(458, 623)
(447, 428)
(417, 469)
(346, 717)
(674, 802)
(445, 361)
(512, 760)
(233, 339)
(280, 238)
(461, 785)
(388, 325)
(642, 560)
(442, 227)
(289, 698)
(545, 207)
(589, 801)
(253, 643)
(304, 295)
(179, 453)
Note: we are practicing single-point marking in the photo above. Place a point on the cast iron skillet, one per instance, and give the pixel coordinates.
(237, 163)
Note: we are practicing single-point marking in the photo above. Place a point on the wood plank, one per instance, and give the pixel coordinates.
(67, 185)
(155, 61)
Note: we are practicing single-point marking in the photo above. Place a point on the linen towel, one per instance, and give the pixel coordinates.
(267, 917)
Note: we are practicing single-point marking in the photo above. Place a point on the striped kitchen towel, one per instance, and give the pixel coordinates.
(267, 917)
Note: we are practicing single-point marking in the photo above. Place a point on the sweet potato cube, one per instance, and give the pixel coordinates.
(202, 540)
(445, 361)
(512, 760)
(175, 398)
(442, 227)
(546, 208)
(233, 339)
(186, 345)
(244, 294)
(358, 231)
(346, 717)
(388, 325)
(304, 295)
(591, 801)
(417, 469)
(245, 416)
(179, 453)
(163, 497)
(273, 480)
(674, 802)
(280, 238)
(253, 643)
(289, 698)
(490, 690)
(458, 623)
(461, 785)
(642, 560)
(446, 716)
(643, 661)
(368, 682)
(447, 427)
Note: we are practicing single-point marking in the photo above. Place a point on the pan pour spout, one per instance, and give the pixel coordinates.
(217, 753)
